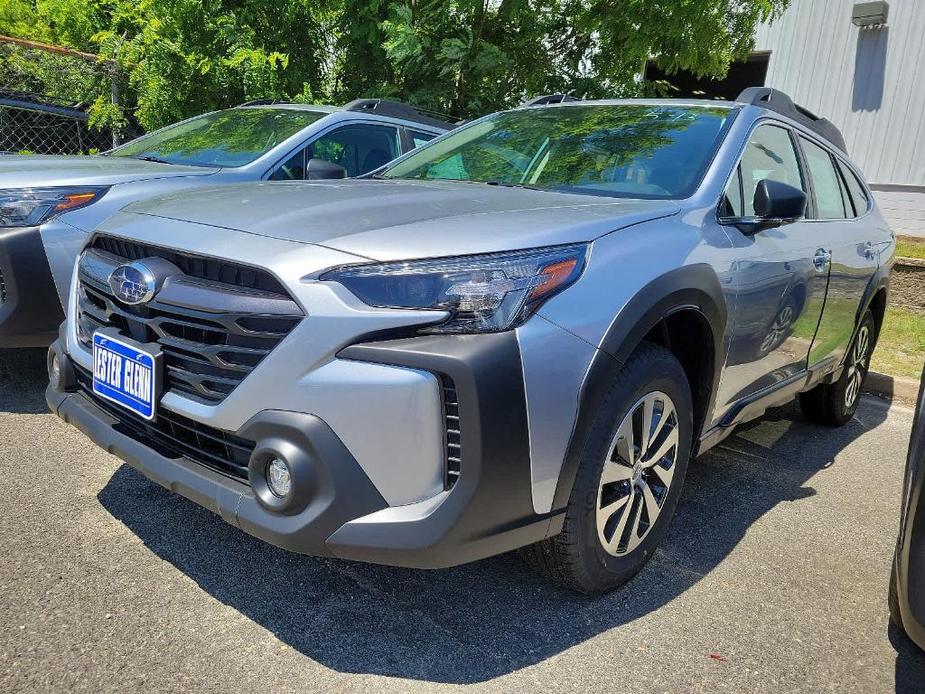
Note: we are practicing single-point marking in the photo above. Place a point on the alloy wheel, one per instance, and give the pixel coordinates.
(857, 366)
(637, 473)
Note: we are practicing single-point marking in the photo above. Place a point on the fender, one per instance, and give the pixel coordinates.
(880, 280)
(692, 287)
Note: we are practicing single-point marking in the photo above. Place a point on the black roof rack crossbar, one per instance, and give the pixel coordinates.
(396, 109)
(547, 99)
(777, 101)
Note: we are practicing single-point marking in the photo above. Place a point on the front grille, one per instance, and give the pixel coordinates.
(173, 435)
(453, 435)
(201, 267)
(212, 333)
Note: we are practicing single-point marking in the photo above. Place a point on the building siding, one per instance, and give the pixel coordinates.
(869, 83)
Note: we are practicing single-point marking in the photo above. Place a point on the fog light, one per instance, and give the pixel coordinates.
(54, 371)
(278, 478)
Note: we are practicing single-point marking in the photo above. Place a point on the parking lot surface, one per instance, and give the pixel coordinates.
(773, 579)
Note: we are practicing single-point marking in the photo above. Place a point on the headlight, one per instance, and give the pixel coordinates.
(26, 207)
(484, 293)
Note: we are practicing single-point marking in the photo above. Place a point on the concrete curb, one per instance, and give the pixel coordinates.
(898, 388)
(908, 262)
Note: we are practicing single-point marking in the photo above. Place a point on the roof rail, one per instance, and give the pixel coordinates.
(547, 99)
(396, 109)
(777, 101)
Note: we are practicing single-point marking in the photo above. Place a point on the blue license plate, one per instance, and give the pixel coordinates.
(126, 373)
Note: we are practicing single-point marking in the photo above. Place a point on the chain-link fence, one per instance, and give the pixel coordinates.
(30, 124)
(44, 96)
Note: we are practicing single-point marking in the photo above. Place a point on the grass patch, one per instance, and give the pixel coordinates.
(901, 347)
(909, 247)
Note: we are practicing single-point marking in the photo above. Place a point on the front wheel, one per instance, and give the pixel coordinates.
(629, 477)
(835, 403)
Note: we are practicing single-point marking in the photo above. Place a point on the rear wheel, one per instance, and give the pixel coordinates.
(835, 403)
(629, 478)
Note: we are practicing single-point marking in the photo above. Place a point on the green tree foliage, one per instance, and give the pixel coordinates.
(465, 57)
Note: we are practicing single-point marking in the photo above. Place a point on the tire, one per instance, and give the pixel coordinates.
(588, 556)
(834, 404)
(892, 600)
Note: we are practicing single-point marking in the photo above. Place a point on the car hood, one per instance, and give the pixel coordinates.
(26, 171)
(394, 220)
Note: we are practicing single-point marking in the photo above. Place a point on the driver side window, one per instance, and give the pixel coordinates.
(769, 154)
(358, 148)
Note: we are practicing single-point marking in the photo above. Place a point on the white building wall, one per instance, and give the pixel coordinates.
(870, 83)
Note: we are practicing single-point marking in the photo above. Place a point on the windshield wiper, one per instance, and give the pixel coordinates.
(149, 157)
(504, 184)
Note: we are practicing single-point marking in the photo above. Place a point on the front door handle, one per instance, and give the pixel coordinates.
(822, 259)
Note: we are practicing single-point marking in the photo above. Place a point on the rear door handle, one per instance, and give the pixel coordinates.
(822, 259)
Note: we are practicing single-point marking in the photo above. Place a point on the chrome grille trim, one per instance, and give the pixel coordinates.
(201, 267)
(212, 335)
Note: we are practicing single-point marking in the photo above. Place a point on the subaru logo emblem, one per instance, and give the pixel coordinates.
(133, 283)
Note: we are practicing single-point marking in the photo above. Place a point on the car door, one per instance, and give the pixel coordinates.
(844, 243)
(358, 147)
(780, 291)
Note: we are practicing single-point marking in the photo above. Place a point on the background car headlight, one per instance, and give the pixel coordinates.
(483, 293)
(25, 207)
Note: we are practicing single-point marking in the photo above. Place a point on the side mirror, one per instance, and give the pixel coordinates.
(322, 170)
(775, 204)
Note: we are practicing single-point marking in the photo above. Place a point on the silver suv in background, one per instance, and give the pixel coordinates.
(516, 336)
(59, 200)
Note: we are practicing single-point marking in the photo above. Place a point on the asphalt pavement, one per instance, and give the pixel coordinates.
(773, 579)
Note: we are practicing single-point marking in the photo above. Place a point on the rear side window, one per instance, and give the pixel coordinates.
(856, 191)
(826, 184)
(769, 154)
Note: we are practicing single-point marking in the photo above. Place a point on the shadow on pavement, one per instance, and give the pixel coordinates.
(910, 663)
(476, 622)
(23, 377)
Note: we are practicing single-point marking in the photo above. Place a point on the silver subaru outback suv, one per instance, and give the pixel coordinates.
(516, 336)
(49, 205)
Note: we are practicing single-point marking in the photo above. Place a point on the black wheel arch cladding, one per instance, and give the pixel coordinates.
(690, 288)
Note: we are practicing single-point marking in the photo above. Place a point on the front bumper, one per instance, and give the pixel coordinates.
(487, 511)
(30, 310)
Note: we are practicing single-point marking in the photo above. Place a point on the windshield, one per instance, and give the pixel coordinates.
(633, 151)
(224, 139)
